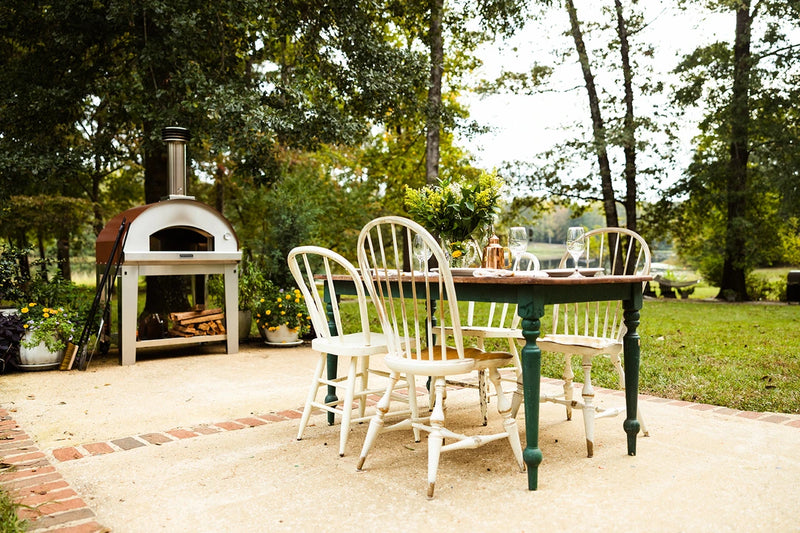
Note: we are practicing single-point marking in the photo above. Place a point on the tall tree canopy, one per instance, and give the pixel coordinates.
(737, 205)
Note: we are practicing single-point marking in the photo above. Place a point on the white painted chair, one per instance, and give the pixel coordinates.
(414, 318)
(502, 323)
(592, 329)
(311, 266)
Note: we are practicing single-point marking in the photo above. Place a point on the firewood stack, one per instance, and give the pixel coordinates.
(197, 322)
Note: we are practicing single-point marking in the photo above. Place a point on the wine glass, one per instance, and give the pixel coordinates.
(517, 242)
(421, 251)
(575, 246)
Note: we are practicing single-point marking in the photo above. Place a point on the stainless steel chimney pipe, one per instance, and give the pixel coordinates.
(176, 139)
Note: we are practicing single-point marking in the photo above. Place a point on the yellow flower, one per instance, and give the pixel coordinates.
(46, 315)
(297, 300)
(23, 310)
(25, 326)
(283, 312)
(32, 304)
(262, 300)
(457, 253)
(300, 315)
(268, 312)
(288, 296)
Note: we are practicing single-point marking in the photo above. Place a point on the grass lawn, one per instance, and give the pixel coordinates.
(742, 356)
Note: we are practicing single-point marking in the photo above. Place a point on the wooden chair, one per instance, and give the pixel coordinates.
(502, 323)
(595, 328)
(308, 264)
(414, 317)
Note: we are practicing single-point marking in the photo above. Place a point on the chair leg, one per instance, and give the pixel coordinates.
(376, 424)
(483, 393)
(362, 400)
(568, 377)
(588, 406)
(436, 438)
(509, 422)
(312, 394)
(412, 404)
(519, 392)
(347, 406)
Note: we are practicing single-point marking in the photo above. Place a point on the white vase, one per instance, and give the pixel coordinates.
(39, 357)
(282, 335)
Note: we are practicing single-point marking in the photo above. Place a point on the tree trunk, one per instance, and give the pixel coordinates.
(629, 133)
(434, 107)
(733, 269)
(598, 128)
(62, 254)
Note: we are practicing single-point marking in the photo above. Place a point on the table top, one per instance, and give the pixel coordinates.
(530, 280)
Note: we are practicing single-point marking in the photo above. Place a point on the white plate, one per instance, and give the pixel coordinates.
(565, 272)
(462, 271)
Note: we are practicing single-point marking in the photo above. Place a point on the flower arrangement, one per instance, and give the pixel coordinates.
(52, 326)
(278, 307)
(455, 210)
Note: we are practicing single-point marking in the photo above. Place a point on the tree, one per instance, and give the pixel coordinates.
(614, 136)
(736, 185)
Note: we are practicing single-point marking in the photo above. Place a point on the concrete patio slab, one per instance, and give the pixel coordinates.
(199, 440)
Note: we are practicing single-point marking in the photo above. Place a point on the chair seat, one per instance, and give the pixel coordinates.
(474, 359)
(489, 332)
(352, 344)
(579, 344)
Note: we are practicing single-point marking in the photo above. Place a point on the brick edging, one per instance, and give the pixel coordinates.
(48, 502)
(71, 453)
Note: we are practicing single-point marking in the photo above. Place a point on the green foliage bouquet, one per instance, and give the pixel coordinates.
(279, 307)
(455, 210)
(52, 326)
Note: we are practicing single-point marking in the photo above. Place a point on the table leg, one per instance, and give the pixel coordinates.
(331, 360)
(630, 346)
(531, 360)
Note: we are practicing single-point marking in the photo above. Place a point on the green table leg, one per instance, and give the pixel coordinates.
(630, 344)
(332, 361)
(531, 359)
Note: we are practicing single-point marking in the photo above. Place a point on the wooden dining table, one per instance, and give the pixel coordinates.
(532, 295)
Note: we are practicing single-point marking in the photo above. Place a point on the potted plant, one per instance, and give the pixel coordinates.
(455, 211)
(47, 331)
(281, 314)
(11, 333)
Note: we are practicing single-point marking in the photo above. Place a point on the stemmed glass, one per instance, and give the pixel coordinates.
(421, 251)
(517, 242)
(575, 246)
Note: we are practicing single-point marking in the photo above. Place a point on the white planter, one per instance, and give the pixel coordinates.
(282, 335)
(38, 357)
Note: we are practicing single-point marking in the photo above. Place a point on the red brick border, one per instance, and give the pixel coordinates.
(47, 501)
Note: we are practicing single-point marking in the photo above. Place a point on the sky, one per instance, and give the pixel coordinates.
(524, 125)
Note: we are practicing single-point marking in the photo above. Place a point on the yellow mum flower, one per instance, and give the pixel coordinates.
(283, 312)
(23, 310)
(457, 253)
(262, 300)
(46, 315)
(288, 296)
(32, 304)
(268, 312)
